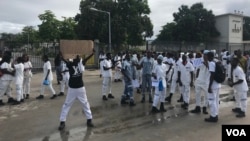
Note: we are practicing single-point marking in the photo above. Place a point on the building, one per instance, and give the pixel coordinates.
(230, 26)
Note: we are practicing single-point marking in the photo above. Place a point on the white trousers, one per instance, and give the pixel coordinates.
(26, 85)
(117, 74)
(139, 76)
(64, 82)
(50, 88)
(159, 96)
(185, 91)
(241, 100)
(198, 93)
(19, 92)
(106, 85)
(174, 85)
(72, 95)
(237, 98)
(5, 88)
(213, 101)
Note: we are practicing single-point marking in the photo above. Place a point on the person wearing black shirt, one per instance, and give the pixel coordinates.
(57, 63)
(76, 90)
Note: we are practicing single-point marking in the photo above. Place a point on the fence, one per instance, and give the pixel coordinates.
(196, 47)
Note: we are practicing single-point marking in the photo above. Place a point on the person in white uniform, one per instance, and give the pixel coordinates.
(102, 56)
(65, 78)
(118, 66)
(47, 75)
(19, 69)
(201, 85)
(27, 76)
(76, 90)
(240, 85)
(107, 77)
(159, 73)
(213, 91)
(185, 79)
(6, 79)
(174, 77)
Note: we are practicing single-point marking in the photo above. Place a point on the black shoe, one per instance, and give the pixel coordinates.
(89, 123)
(181, 99)
(204, 110)
(22, 100)
(241, 114)
(10, 100)
(138, 91)
(123, 102)
(211, 119)
(104, 97)
(236, 110)
(61, 94)
(53, 97)
(132, 103)
(162, 109)
(110, 96)
(143, 99)
(1, 103)
(61, 126)
(40, 97)
(16, 103)
(168, 99)
(100, 75)
(184, 106)
(150, 100)
(27, 96)
(232, 99)
(155, 110)
(197, 110)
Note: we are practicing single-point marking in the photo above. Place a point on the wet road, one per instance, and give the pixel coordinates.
(37, 120)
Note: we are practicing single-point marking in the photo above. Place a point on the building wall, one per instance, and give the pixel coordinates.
(222, 25)
(230, 27)
(235, 29)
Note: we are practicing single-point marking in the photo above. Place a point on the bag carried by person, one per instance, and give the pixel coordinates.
(220, 73)
(46, 82)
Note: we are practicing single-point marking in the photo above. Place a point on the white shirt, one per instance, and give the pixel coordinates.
(204, 76)
(160, 72)
(107, 64)
(176, 68)
(46, 67)
(238, 74)
(215, 85)
(19, 73)
(7, 66)
(27, 65)
(185, 72)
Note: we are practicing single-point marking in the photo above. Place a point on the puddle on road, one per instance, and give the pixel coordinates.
(76, 134)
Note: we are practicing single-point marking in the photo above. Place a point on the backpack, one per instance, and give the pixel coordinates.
(220, 73)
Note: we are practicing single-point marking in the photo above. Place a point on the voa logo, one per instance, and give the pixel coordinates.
(236, 132)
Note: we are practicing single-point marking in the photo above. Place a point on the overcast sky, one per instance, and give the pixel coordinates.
(15, 14)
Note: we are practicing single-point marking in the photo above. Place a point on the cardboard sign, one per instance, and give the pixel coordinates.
(71, 48)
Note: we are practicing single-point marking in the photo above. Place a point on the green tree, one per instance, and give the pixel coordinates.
(49, 29)
(194, 24)
(29, 35)
(67, 28)
(129, 19)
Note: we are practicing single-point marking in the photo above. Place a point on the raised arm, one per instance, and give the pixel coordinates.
(87, 58)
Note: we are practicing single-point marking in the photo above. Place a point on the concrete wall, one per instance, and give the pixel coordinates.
(235, 29)
(222, 25)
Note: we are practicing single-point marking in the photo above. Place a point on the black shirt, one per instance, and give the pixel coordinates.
(75, 72)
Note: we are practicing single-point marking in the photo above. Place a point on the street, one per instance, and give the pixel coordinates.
(38, 120)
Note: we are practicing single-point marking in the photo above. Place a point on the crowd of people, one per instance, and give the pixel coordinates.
(156, 76)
